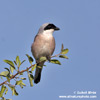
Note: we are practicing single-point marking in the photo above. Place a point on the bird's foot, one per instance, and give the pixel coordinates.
(48, 58)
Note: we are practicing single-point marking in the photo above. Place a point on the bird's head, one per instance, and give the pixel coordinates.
(48, 28)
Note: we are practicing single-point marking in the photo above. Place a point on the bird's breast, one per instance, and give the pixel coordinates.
(43, 45)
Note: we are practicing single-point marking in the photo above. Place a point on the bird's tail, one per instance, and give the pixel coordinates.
(38, 72)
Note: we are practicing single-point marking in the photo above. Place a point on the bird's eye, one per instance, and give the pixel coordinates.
(50, 26)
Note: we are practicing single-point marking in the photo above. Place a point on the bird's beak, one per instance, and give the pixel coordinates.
(56, 29)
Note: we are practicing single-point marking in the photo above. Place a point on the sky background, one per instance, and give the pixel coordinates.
(79, 21)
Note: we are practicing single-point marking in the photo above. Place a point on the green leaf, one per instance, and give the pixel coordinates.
(23, 78)
(10, 63)
(55, 61)
(6, 90)
(63, 56)
(15, 62)
(33, 68)
(62, 47)
(64, 51)
(30, 71)
(18, 61)
(1, 77)
(5, 73)
(14, 92)
(11, 69)
(31, 76)
(43, 59)
(39, 67)
(8, 79)
(23, 84)
(21, 73)
(20, 82)
(3, 88)
(7, 69)
(23, 61)
(30, 59)
(12, 89)
(30, 79)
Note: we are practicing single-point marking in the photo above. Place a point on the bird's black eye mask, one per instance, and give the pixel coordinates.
(50, 26)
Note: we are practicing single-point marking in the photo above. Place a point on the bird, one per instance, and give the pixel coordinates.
(43, 46)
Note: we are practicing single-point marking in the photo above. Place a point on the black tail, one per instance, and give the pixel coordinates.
(38, 73)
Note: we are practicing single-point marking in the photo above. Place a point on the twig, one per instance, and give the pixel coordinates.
(10, 84)
(56, 55)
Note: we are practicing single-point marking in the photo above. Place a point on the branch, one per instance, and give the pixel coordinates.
(19, 72)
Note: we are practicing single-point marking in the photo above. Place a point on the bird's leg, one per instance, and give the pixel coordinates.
(48, 58)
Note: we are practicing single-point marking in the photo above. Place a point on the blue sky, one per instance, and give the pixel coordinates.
(79, 21)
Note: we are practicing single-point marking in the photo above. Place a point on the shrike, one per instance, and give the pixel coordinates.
(43, 46)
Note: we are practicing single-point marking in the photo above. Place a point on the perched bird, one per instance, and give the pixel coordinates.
(43, 46)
